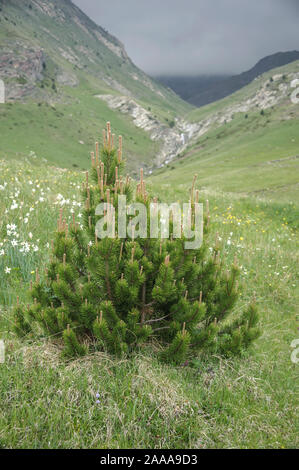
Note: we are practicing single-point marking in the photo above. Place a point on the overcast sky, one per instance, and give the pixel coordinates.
(198, 36)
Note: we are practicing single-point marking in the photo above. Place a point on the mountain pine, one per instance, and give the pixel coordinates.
(117, 293)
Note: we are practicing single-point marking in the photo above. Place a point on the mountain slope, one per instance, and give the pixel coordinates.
(54, 61)
(202, 90)
(246, 143)
(57, 30)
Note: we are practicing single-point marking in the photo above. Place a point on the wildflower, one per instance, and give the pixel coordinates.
(7, 270)
(30, 235)
(14, 205)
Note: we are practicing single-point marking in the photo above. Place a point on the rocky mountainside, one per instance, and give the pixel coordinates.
(52, 55)
(65, 77)
(53, 42)
(269, 93)
(203, 90)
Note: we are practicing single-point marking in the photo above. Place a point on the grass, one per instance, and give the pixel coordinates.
(64, 132)
(212, 403)
(142, 404)
(247, 169)
(258, 155)
(52, 122)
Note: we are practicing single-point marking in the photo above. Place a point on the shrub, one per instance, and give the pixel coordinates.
(116, 294)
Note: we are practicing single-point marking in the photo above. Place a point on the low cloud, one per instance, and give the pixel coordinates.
(198, 36)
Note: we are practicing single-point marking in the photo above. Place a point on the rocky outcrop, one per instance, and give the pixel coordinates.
(116, 48)
(271, 93)
(203, 90)
(67, 79)
(173, 140)
(21, 67)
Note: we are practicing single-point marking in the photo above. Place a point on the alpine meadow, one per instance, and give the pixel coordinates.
(129, 340)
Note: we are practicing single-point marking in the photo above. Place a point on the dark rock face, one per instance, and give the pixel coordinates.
(21, 67)
(57, 33)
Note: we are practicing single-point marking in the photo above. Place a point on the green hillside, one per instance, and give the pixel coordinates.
(245, 151)
(254, 151)
(100, 401)
(54, 62)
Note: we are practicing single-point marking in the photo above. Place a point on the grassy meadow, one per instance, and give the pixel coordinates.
(103, 402)
(64, 132)
(247, 168)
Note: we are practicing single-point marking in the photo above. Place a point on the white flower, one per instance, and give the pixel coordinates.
(14, 205)
(2, 252)
(30, 235)
(26, 220)
(14, 243)
(7, 270)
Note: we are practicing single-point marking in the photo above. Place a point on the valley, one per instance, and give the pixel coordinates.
(65, 77)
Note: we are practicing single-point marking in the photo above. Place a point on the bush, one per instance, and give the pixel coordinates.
(116, 294)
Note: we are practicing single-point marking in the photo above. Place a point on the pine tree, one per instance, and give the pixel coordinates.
(117, 293)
